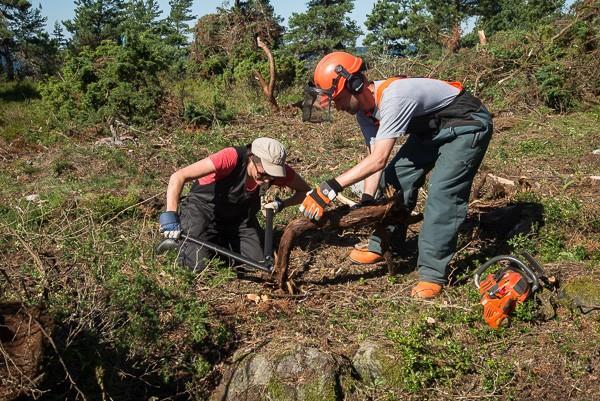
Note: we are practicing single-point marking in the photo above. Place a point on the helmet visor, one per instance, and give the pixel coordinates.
(316, 107)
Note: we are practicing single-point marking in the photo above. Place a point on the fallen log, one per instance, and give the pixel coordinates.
(381, 215)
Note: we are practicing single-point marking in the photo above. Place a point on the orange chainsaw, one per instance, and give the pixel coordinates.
(502, 291)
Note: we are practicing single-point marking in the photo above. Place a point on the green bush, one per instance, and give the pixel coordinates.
(111, 81)
(552, 82)
(207, 114)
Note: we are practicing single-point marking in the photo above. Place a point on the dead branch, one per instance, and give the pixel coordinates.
(267, 88)
(391, 212)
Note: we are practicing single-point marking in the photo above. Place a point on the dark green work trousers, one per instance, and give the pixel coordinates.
(198, 220)
(453, 155)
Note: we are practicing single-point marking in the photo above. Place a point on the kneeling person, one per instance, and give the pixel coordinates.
(224, 199)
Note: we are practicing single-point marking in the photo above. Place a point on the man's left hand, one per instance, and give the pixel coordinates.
(317, 199)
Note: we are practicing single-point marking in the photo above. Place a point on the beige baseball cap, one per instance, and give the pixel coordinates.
(272, 155)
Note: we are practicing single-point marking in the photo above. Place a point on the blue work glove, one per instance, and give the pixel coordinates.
(170, 225)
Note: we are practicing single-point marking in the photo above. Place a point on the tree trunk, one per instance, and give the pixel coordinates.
(267, 88)
(6, 54)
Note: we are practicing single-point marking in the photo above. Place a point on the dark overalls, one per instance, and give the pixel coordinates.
(451, 143)
(222, 213)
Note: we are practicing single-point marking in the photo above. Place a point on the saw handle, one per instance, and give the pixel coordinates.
(530, 274)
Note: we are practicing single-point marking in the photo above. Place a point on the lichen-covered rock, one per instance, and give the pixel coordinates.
(376, 363)
(294, 373)
(581, 293)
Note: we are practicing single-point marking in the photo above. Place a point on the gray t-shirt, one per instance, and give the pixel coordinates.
(402, 100)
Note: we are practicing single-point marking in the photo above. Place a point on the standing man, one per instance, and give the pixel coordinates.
(224, 199)
(448, 134)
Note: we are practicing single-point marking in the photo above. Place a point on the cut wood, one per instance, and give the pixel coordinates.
(482, 38)
(500, 180)
(346, 201)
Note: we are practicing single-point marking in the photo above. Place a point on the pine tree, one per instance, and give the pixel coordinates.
(95, 21)
(23, 40)
(387, 27)
(29, 24)
(33, 42)
(177, 22)
(58, 35)
(142, 16)
(8, 45)
(225, 44)
(501, 15)
(324, 27)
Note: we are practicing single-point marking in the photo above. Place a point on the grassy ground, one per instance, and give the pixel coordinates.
(129, 323)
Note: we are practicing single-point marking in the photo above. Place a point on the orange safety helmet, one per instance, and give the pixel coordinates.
(338, 70)
(335, 71)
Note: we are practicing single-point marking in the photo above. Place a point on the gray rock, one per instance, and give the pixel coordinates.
(376, 363)
(286, 372)
(582, 293)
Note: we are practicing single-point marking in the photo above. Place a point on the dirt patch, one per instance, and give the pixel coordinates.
(21, 347)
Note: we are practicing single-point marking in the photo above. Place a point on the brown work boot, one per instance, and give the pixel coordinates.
(364, 256)
(426, 290)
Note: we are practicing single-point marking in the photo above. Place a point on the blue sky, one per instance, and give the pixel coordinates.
(60, 10)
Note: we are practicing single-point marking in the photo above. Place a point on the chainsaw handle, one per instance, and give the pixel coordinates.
(523, 268)
(539, 273)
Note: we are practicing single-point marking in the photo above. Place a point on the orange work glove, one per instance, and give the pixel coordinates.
(316, 199)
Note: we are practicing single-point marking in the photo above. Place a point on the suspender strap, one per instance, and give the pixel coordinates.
(456, 84)
(382, 87)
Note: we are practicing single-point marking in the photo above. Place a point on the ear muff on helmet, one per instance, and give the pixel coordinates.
(354, 82)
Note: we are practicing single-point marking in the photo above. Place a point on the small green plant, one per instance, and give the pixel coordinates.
(534, 146)
(29, 168)
(551, 244)
(62, 166)
(527, 197)
(428, 355)
(496, 373)
(107, 205)
(562, 212)
(200, 366)
(220, 273)
(522, 242)
(526, 311)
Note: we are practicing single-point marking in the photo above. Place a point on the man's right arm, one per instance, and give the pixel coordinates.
(372, 181)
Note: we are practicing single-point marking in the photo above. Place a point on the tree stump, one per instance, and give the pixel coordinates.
(381, 215)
